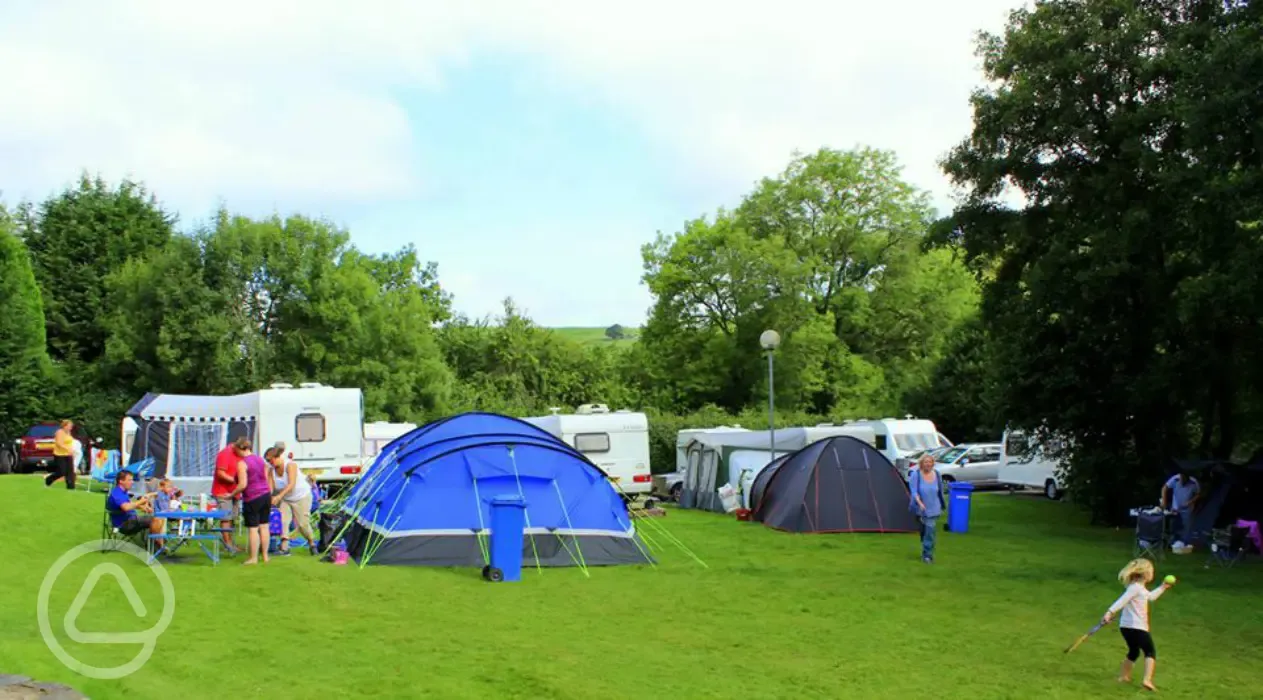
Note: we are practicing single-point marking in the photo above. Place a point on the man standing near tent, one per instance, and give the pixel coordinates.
(1180, 494)
(224, 487)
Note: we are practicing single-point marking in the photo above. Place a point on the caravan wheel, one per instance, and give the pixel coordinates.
(6, 460)
(675, 492)
(1050, 490)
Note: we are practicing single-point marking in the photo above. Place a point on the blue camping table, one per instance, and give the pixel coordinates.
(182, 529)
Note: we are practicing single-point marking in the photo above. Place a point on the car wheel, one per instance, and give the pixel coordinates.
(675, 492)
(1050, 490)
(949, 478)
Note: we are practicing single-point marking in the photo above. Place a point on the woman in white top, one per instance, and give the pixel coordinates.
(293, 496)
(1134, 623)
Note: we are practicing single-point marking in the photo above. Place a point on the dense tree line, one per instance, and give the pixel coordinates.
(1120, 306)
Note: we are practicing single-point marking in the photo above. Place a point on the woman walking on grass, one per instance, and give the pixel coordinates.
(293, 496)
(63, 456)
(1134, 622)
(927, 503)
(256, 487)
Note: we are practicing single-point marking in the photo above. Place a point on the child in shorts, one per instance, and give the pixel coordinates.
(1134, 622)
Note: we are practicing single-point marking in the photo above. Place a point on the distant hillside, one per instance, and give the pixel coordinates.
(596, 336)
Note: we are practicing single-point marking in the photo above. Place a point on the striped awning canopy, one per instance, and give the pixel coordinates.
(177, 408)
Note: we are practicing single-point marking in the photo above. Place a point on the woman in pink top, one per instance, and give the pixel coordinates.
(256, 487)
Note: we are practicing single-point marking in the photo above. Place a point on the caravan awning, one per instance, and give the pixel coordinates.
(196, 409)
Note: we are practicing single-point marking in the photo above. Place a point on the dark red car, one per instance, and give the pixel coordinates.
(34, 450)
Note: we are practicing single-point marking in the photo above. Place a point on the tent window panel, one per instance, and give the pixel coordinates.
(309, 427)
(588, 443)
(194, 448)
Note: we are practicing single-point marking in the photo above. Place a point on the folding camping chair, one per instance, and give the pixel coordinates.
(1228, 546)
(1151, 534)
(141, 470)
(111, 537)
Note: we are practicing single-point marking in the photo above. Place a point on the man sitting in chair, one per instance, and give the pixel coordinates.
(131, 516)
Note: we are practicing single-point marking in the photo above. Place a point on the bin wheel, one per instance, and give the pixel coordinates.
(486, 572)
(494, 575)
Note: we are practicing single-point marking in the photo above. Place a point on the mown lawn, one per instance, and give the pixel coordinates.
(774, 616)
(596, 336)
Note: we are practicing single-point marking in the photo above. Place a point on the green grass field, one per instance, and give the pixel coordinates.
(774, 616)
(596, 336)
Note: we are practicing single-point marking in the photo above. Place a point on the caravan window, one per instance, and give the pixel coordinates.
(880, 443)
(592, 442)
(309, 427)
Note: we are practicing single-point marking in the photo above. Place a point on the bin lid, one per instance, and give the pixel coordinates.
(960, 486)
(510, 500)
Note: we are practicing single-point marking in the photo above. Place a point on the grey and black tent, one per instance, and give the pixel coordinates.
(839, 484)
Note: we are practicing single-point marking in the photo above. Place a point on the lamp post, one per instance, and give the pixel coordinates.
(770, 340)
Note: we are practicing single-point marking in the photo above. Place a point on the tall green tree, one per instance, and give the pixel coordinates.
(248, 302)
(1118, 287)
(24, 365)
(76, 239)
(716, 289)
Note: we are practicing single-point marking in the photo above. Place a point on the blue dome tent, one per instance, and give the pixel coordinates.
(425, 501)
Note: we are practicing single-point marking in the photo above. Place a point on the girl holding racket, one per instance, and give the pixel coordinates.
(1134, 622)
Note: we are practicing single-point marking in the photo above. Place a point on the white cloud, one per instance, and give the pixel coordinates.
(290, 104)
(292, 98)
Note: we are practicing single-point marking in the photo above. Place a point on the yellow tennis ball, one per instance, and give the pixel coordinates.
(1169, 579)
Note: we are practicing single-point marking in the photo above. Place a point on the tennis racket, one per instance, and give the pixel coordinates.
(1084, 638)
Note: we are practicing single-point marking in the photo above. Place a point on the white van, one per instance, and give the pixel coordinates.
(321, 426)
(1026, 463)
(380, 433)
(902, 438)
(617, 442)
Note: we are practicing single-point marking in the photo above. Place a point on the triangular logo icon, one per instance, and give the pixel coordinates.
(81, 599)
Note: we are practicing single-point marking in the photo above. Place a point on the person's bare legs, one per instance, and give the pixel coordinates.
(226, 527)
(265, 537)
(252, 546)
(157, 526)
(1124, 673)
(1150, 664)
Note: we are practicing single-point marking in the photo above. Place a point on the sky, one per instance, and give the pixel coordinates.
(528, 147)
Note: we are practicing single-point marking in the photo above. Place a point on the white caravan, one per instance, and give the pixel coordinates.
(380, 433)
(684, 437)
(1025, 462)
(902, 438)
(321, 426)
(617, 442)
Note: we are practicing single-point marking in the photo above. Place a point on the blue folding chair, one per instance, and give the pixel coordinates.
(141, 470)
(106, 472)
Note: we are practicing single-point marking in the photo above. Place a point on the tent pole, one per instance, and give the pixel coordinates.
(526, 513)
(373, 548)
(566, 512)
(354, 515)
(482, 526)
